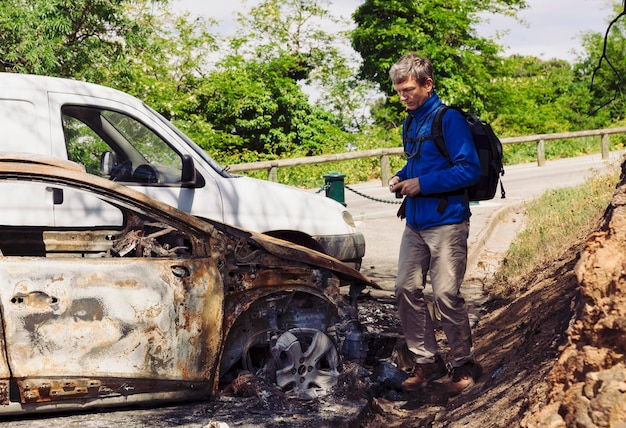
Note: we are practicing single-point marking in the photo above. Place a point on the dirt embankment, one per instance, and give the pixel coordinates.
(587, 387)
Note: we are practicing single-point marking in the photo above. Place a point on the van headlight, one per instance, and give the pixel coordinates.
(347, 217)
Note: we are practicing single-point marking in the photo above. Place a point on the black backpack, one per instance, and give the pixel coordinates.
(488, 147)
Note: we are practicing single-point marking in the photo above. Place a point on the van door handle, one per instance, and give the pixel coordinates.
(57, 196)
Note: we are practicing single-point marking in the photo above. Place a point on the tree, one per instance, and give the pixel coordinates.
(254, 99)
(441, 30)
(256, 108)
(320, 59)
(166, 68)
(531, 96)
(603, 67)
(70, 38)
(281, 28)
(344, 94)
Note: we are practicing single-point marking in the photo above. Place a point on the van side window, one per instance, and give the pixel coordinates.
(84, 146)
(116, 146)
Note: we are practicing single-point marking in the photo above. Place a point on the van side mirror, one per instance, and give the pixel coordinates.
(188, 174)
(108, 160)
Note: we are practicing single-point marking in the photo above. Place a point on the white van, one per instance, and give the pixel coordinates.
(115, 135)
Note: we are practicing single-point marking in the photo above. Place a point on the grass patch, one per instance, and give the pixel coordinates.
(554, 222)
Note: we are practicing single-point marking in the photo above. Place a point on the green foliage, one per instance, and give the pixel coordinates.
(292, 34)
(257, 108)
(276, 27)
(604, 66)
(441, 30)
(164, 70)
(71, 38)
(532, 96)
(343, 93)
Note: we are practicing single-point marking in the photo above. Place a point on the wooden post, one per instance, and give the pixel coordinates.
(384, 170)
(604, 145)
(541, 153)
(272, 174)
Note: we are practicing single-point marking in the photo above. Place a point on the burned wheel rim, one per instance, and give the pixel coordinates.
(306, 361)
(257, 351)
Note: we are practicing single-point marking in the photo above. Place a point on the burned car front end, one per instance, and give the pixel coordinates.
(141, 303)
(290, 318)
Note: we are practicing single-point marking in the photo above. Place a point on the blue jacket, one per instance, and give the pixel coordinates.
(435, 174)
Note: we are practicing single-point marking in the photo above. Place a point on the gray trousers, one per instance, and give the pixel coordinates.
(440, 252)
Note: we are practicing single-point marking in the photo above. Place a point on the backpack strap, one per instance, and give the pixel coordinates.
(436, 131)
(406, 123)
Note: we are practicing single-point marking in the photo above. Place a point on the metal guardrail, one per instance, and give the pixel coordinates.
(383, 154)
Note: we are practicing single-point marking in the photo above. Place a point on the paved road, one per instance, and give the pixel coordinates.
(382, 229)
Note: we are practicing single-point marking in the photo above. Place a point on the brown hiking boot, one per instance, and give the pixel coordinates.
(464, 377)
(425, 373)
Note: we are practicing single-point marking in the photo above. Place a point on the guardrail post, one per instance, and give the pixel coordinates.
(272, 174)
(541, 153)
(604, 145)
(384, 170)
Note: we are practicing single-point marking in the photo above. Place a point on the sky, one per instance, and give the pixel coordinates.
(552, 28)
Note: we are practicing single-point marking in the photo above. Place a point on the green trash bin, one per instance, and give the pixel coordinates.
(334, 187)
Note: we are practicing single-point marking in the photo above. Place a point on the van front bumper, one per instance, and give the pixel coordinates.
(350, 249)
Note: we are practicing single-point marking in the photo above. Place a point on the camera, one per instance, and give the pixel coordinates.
(398, 194)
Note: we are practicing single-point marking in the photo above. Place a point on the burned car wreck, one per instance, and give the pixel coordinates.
(143, 303)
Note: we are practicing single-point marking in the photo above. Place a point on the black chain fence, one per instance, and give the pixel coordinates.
(385, 201)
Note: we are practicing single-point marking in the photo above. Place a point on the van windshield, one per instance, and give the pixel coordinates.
(223, 171)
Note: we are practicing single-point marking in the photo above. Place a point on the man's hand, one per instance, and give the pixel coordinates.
(410, 187)
(392, 182)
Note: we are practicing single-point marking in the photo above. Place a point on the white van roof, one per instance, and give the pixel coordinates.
(16, 82)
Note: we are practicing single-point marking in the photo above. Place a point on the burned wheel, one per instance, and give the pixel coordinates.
(256, 353)
(306, 360)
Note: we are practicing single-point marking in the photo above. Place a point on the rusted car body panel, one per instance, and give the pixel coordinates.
(110, 317)
(164, 307)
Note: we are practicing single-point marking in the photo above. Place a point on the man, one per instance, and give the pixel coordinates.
(434, 241)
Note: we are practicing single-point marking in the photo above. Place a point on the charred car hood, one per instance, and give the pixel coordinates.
(288, 250)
